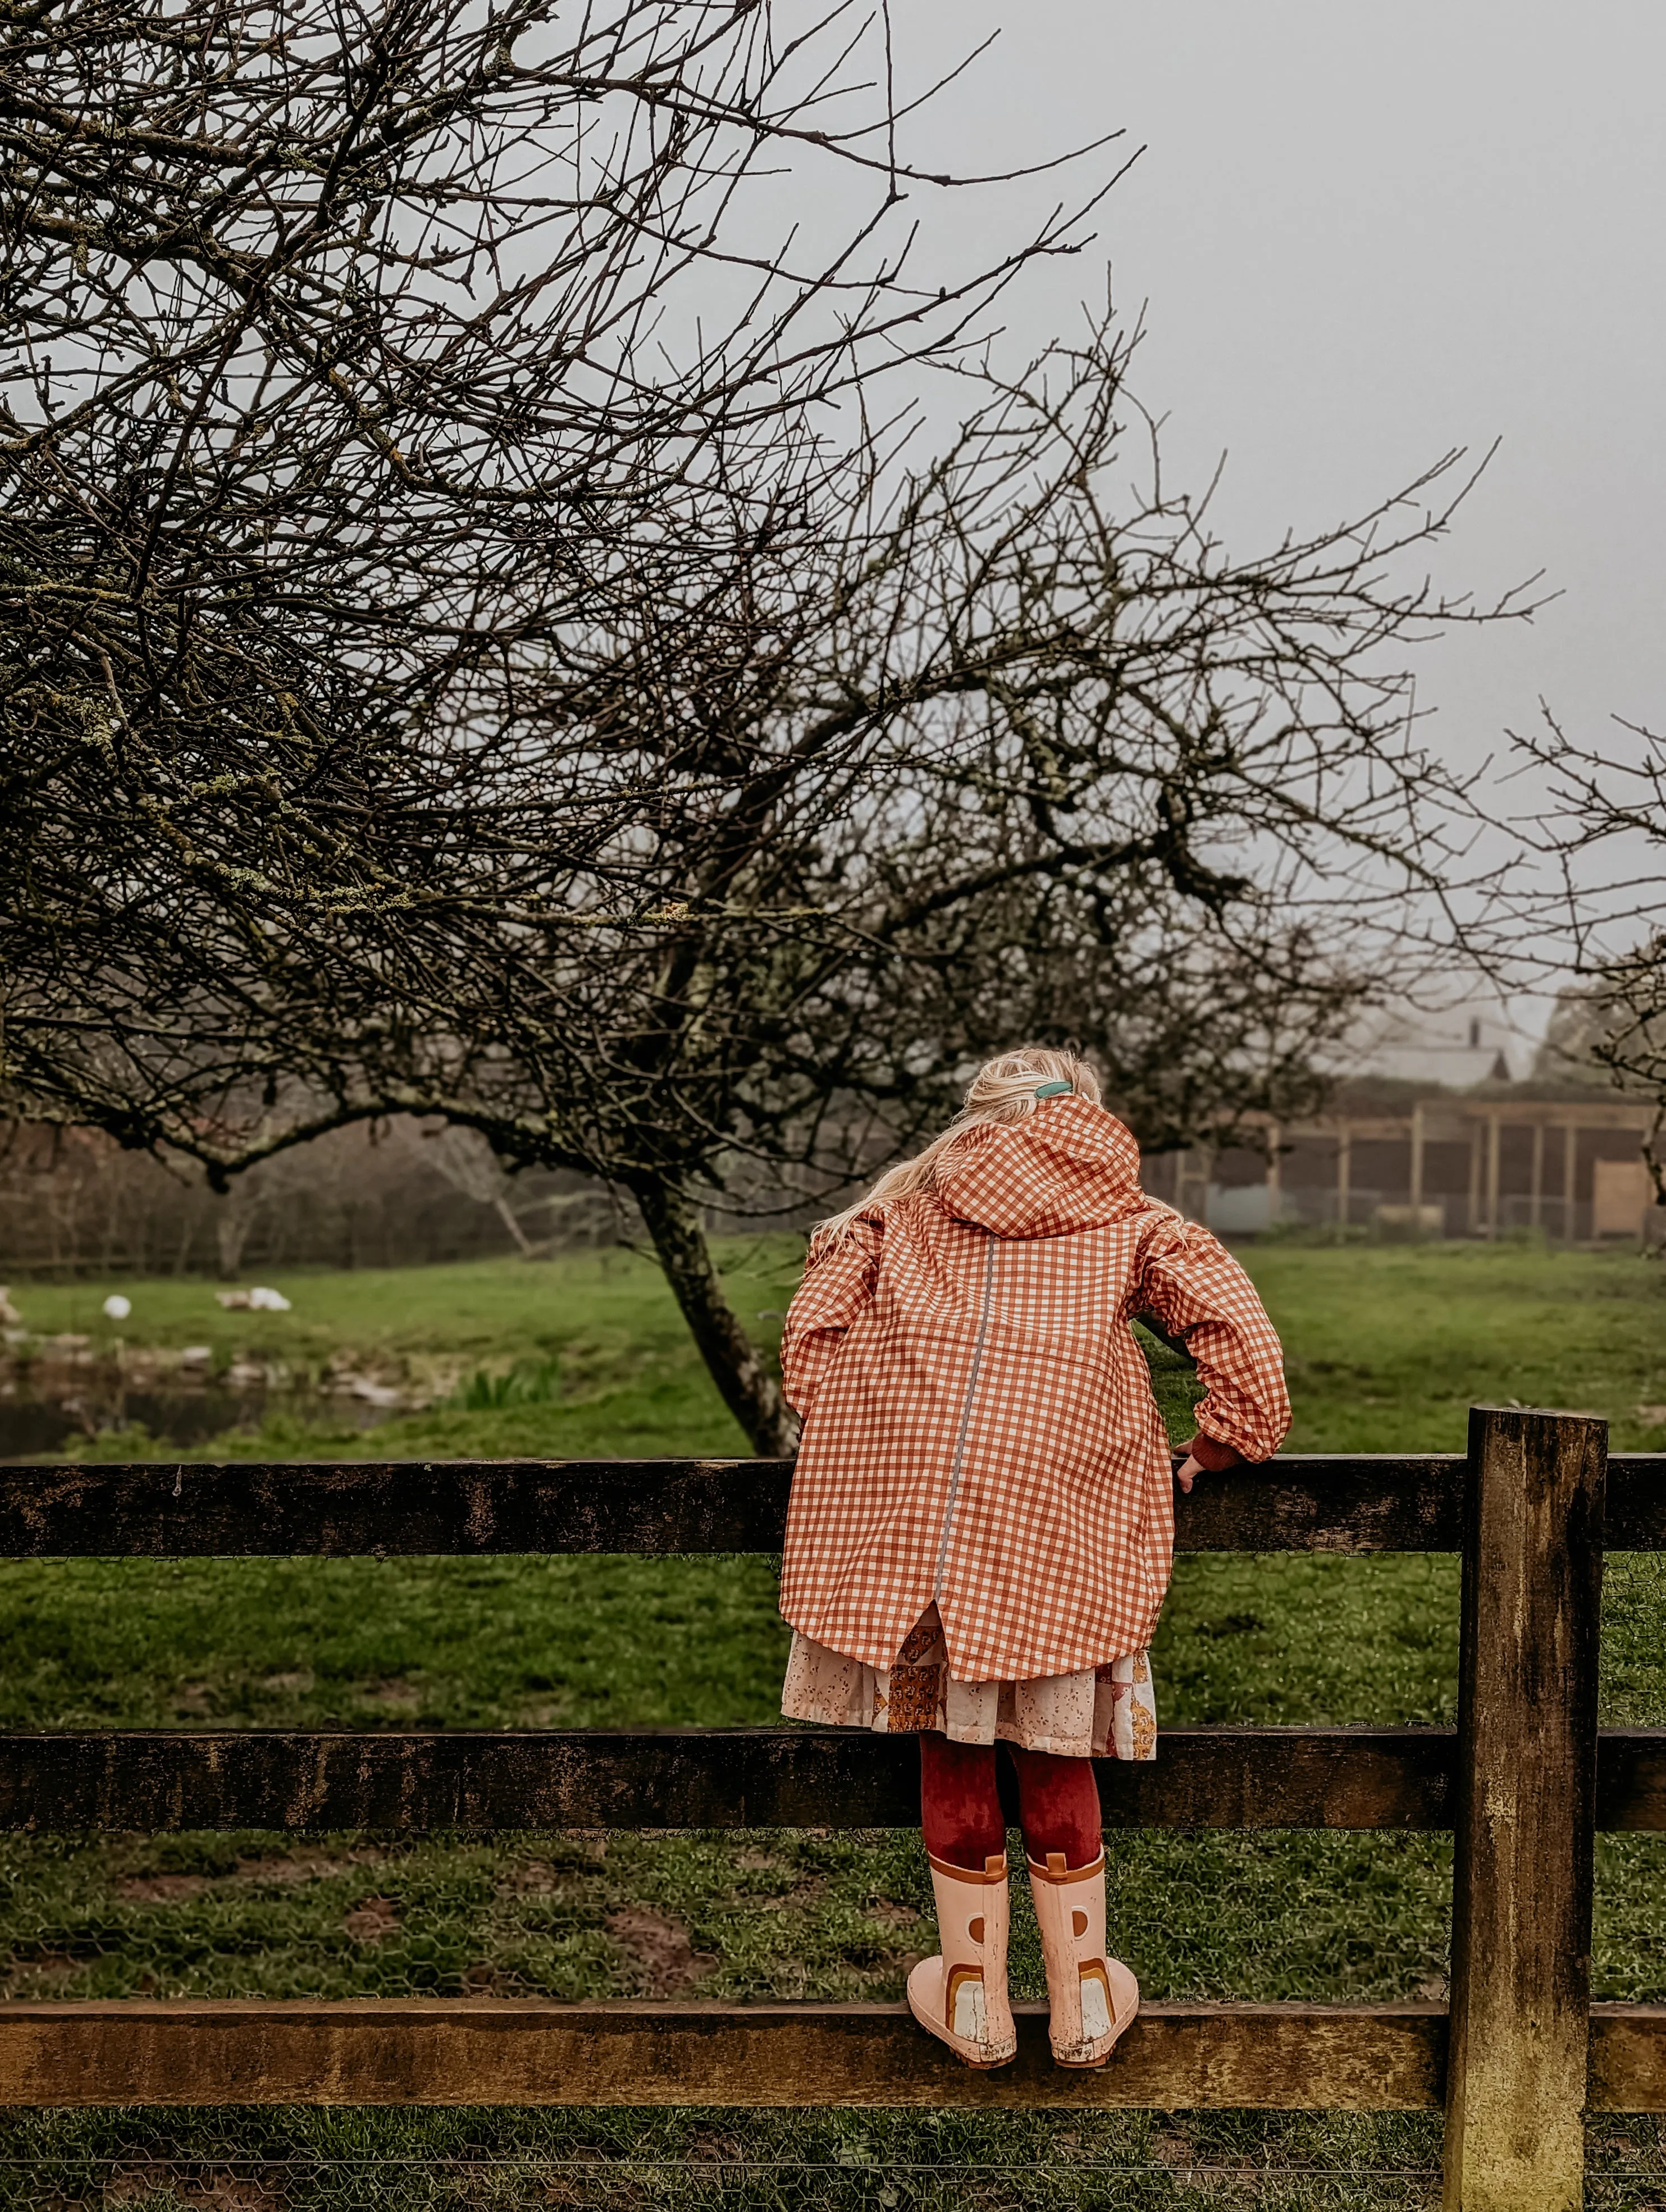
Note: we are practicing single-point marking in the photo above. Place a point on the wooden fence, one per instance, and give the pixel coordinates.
(1524, 1781)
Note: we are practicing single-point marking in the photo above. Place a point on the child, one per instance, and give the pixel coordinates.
(981, 1522)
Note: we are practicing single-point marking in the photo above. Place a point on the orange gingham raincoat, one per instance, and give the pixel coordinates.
(979, 1427)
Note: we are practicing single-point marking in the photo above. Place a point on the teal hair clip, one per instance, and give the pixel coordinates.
(1053, 1089)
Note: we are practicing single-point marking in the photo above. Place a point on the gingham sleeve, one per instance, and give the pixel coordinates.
(839, 1279)
(1198, 1290)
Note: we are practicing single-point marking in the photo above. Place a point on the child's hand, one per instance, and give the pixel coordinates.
(1185, 1475)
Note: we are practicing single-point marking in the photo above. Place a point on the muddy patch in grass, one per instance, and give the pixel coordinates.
(659, 1948)
(280, 1871)
(162, 1888)
(374, 1920)
(886, 1910)
(397, 1696)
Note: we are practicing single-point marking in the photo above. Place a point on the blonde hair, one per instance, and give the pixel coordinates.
(1002, 1091)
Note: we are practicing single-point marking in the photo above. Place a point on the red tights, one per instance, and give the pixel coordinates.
(960, 1806)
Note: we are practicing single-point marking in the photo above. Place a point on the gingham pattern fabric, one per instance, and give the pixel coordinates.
(979, 1428)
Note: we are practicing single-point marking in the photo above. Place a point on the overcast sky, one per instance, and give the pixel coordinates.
(1363, 234)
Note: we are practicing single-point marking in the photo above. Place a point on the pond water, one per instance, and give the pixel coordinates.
(35, 1424)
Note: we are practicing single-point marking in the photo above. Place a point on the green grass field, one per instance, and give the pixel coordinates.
(1387, 1349)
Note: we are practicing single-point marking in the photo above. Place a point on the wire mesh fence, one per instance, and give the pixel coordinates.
(557, 1915)
(374, 2162)
(737, 1915)
(309, 2161)
(741, 1914)
(734, 1916)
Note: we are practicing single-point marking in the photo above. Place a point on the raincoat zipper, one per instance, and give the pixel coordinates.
(965, 1419)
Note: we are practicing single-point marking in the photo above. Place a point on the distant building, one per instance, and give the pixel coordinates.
(1457, 1046)
(1431, 1137)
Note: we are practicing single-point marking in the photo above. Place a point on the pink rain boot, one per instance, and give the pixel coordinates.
(1092, 1998)
(960, 1997)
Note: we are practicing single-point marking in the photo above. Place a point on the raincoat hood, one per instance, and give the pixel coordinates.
(1069, 1165)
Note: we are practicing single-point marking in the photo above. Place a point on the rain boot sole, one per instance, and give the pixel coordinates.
(957, 2043)
(1087, 2065)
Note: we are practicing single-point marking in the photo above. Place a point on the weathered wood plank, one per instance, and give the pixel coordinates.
(470, 2050)
(1627, 2058)
(479, 1782)
(1524, 1812)
(1634, 1517)
(483, 2051)
(1631, 1778)
(1295, 1777)
(1367, 1502)
(1360, 1502)
(456, 1506)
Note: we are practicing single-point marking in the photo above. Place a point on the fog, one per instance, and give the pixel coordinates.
(1360, 237)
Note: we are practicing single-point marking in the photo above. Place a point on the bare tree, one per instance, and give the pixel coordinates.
(464, 1159)
(468, 1163)
(355, 351)
(421, 701)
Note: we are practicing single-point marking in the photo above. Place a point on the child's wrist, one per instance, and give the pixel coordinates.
(1211, 1454)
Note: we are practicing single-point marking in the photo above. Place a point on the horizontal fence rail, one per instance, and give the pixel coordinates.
(1308, 1502)
(491, 2050)
(1523, 1782)
(469, 2051)
(767, 1777)
(483, 1782)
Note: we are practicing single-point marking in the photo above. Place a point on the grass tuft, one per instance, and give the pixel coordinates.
(523, 1385)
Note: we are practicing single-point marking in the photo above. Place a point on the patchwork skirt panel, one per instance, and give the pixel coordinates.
(1108, 1712)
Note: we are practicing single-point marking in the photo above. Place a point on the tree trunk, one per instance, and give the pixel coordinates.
(232, 1230)
(748, 1390)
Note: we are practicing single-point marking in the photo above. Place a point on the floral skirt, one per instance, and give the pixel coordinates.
(1108, 1712)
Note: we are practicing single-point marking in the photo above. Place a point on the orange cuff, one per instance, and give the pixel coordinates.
(1213, 1456)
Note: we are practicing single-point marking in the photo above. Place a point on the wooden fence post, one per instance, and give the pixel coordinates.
(1525, 1807)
